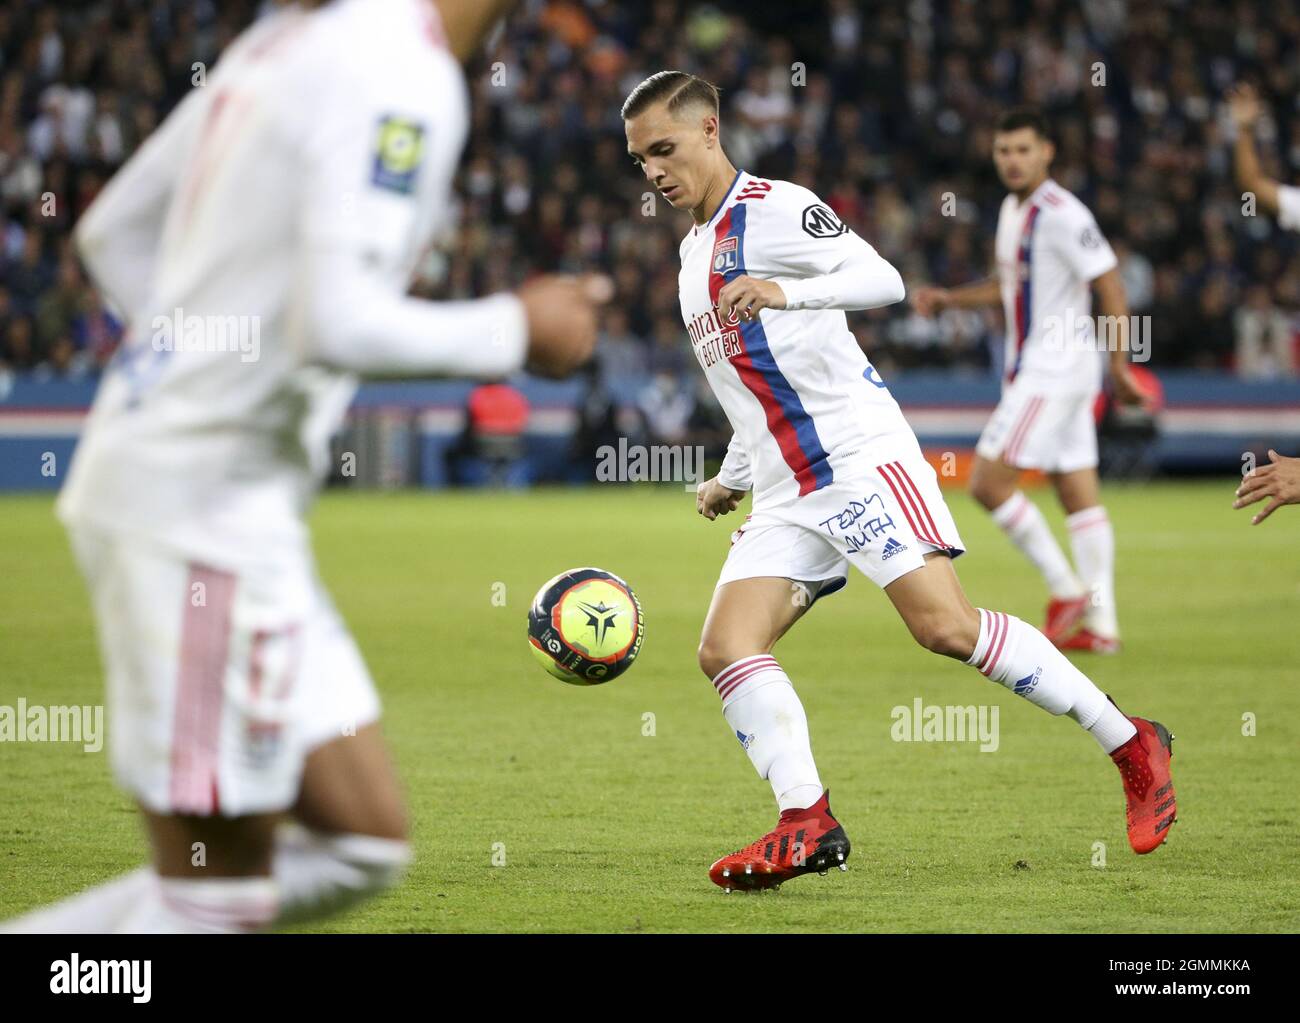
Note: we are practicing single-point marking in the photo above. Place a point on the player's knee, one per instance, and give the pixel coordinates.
(714, 655)
(988, 496)
(948, 635)
(710, 657)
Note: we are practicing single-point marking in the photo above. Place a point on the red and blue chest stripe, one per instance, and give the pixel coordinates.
(1024, 297)
(787, 419)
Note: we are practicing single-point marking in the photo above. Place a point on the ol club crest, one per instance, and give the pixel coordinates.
(725, 256)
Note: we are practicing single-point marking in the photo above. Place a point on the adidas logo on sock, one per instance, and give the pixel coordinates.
(891, 548)
(1025, 686)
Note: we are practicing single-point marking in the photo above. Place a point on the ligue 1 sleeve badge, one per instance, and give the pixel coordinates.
(399, 148)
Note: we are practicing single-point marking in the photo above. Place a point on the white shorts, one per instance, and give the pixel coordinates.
(883, 520)
(1051, 432)
(219, 683)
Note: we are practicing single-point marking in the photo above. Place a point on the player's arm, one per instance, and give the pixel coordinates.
(1074, 236)
(359, 322)
(736, 473)
(1112, 303)
(861, 280)
(1244, 105)
(930, 300)
(361, 170)
(1274, 197)
(714, 498)
(819, 262)
(468, 23)
(1279, 480)
(725, 491)
(117, 236)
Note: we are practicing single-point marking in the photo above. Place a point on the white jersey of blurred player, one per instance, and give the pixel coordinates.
(818, 437)
(1048, 250)
(260, 244)
(1288, 207)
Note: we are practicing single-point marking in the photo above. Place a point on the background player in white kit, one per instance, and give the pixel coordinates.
(1050, 253)
(837, 476)
(296, 189)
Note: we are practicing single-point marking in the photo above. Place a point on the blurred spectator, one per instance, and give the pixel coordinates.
(490, 452)
(667, 403)
(1265, 337)
(60, 304)
(621, 354)
(19, 349)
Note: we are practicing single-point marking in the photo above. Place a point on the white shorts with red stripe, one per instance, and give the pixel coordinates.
(219, 683)
(882, 518)
(1034, 429)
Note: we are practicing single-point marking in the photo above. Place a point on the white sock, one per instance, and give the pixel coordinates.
(319, 874)
(1093, 542)
(1112, 729)
(1026, 662)
(765, 714)
(316, 875)
(97, 910)
(1024, 524)
(203, 905)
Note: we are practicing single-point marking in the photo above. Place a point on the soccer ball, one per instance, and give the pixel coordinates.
(585, 626)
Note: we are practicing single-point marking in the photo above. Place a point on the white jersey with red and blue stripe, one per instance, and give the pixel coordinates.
(1049, 251)
(805, 403)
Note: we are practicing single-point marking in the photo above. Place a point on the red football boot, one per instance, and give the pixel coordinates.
(1063, 615)
(802, 841)
(1143, 762)
(1089, 642)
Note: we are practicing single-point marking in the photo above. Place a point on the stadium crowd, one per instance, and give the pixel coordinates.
(884, 109)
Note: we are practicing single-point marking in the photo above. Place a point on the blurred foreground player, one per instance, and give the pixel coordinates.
(1050, 253)
(838, 480)
(260, 244)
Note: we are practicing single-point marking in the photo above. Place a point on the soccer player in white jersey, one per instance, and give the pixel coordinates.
(838, 479)
(295, 192)
(1050, 254)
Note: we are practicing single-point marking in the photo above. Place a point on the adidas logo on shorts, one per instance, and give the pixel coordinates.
(891, 548)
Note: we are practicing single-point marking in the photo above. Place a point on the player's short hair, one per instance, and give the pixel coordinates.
(1024, 117)
(675, 88)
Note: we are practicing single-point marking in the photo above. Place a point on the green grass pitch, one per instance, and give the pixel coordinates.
(605, 828)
